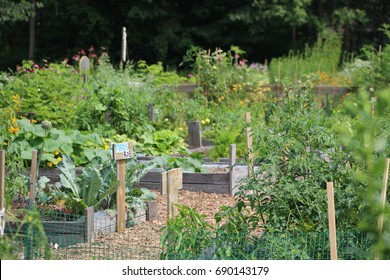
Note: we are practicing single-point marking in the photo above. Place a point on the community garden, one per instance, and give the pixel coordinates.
(316, 117)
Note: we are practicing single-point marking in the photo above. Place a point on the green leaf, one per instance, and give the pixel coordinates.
(27, 153)
(91, 185)
(68, 175)
(51, 145)
(67, 149)
(48, 157)
(112, 188)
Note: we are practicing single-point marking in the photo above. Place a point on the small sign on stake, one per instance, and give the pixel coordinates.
(121, 152)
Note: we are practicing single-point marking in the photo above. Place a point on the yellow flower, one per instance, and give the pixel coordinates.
(59, 159)
(13, 129)
(56, 153)
(49, 164)
(15, 98)
(29, 219)
(5, 143)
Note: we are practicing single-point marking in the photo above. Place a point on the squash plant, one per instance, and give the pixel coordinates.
(54, 143)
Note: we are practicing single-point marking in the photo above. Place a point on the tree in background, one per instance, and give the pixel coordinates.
(13, 11)
(162, 30)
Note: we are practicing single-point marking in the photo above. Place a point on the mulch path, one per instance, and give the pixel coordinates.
(142, 241)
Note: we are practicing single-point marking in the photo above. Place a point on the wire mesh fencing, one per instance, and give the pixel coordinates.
(271, 246)
(72, 237)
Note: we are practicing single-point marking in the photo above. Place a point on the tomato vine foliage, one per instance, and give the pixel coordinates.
(297, 154)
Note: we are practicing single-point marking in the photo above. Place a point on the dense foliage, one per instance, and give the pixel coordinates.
(301, 140)
(164, 30)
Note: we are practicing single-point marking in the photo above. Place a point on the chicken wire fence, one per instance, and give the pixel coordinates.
(70, 237)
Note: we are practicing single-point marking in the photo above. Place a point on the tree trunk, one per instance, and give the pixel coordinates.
(294, 36)
(31, 45)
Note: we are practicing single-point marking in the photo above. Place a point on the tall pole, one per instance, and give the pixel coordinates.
(249, 144)
(31, 44)
(332, 221)
(2, 189)
(123, 48)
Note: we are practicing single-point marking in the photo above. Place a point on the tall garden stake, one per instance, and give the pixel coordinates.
(121, 152)
(332, 221)
(383, 198)
(232, 163)
(2, 190)
(249, 144)
(123, 48)
(33, 178)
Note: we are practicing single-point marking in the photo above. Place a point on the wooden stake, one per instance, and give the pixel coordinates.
(249, 144)
(123, 48)
(120, 195)
(383, 193)
(121, 152)
(33, 177)
(164, 183)
(232, 162)
(332, 221)
(194, 135)
(2, 179)
(89, 214)
(175, 182)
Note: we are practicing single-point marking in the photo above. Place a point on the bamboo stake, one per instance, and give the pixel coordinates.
(249, 144)
(2, 178)
(2, 190)
(332, 221)
(232, 162)
(383, 194)
(383, 201)
(33, 177)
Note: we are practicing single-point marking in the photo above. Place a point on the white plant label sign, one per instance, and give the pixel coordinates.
(123, 150)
